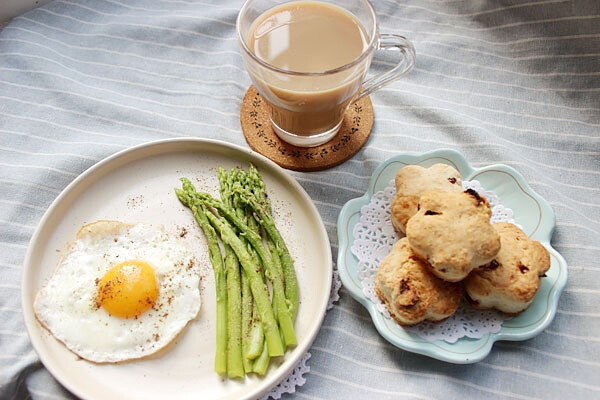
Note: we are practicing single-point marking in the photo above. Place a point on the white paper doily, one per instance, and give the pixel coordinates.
(296, 377)
(374, 237)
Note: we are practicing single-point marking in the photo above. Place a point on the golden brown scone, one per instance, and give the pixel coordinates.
(412, 181)
(510, 282)
(410, 292)
(453, 233)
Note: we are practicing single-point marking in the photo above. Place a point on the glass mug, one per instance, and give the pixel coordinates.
(307, 104)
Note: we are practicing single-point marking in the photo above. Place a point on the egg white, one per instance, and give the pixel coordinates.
(66, 305)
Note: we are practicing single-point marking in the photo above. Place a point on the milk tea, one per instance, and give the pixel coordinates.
(308, 37)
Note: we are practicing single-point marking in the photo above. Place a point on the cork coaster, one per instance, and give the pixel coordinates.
(261, 137)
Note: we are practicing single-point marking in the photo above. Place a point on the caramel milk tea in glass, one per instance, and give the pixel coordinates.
(309, 59)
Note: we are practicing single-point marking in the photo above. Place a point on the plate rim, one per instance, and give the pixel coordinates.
(439, 349)
(28, 314)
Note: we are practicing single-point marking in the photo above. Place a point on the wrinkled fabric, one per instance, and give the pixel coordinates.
(511, 82)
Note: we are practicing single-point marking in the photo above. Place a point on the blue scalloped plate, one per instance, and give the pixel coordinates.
(531, 212)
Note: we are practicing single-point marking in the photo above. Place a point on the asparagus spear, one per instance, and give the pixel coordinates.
(255, 339)
(235, 366)
(262, 362)
(216, 259)
(245, 294)
(258, 201)
(274, 274)
(247, 310)
(260, 291)
(243, 202)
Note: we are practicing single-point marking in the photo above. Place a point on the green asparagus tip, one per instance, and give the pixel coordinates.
(182, 196)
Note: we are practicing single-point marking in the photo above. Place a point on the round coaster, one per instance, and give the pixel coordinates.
(261, 137)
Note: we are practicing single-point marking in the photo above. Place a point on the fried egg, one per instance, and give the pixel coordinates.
(120, 291)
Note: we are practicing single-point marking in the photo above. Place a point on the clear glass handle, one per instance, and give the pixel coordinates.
(407, 62)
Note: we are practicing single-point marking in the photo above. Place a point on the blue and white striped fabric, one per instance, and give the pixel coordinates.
(514, 82)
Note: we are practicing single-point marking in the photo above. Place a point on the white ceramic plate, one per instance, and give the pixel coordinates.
(136, 185)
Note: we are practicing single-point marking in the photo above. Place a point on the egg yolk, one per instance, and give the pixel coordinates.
(128, 289)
